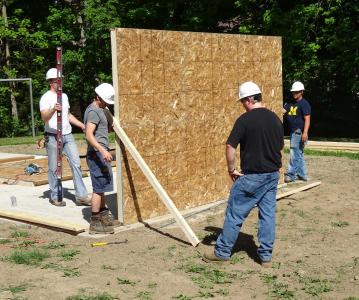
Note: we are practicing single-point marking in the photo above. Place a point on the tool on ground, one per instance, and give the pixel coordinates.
(59, 123)
(32, 169)
(98, 244)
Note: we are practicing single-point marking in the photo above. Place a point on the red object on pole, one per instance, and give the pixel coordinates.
(59, 123)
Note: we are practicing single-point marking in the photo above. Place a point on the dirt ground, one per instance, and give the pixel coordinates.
(316, 253)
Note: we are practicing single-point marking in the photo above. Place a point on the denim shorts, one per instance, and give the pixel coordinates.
(100, 171)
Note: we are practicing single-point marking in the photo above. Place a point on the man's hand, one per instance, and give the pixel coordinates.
(57, 107)
(235, 174)
(106, 155)
(304, 137)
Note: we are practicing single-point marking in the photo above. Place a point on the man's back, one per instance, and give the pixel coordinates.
(260, 135)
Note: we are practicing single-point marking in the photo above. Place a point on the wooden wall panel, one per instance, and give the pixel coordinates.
(177, 103)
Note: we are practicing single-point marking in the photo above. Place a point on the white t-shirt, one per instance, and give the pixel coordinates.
(48, 101)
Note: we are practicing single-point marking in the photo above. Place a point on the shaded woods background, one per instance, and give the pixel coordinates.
(320, 48)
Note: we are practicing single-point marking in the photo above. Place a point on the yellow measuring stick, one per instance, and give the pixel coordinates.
(98, 244)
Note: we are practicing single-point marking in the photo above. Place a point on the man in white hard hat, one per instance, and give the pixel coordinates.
(298, 114)
(259, 132)
(48, 109)
(97, 118)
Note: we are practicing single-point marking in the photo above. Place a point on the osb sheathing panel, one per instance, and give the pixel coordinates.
(177, 104)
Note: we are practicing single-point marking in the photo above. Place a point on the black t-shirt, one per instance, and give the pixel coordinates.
(260, 135)
(296, 112)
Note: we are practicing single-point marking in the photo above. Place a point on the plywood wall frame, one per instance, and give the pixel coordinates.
(176, 100)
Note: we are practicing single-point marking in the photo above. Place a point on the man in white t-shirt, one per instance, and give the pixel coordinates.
(48, 109)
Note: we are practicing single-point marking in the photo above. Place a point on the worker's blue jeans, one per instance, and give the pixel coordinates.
(247, 191)
(72, 154)
(296, 166)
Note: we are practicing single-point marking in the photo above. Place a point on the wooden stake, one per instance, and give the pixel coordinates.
(155, 183)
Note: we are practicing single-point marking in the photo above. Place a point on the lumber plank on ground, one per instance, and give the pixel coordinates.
(155, 183)
(36, 219)
(16, 158)
(297, 190)
(335, 146)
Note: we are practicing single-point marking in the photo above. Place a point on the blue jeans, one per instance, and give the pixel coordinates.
(296, 166)
(72, 154)
(247, 191)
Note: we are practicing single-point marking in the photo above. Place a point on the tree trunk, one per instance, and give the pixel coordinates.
(14, 111)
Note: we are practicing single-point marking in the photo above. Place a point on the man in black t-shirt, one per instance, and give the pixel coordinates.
(259, 132)
(298, 115)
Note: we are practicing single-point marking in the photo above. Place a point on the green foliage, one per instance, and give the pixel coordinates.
(319, 48)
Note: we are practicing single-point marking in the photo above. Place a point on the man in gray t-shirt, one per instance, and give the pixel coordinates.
(96, 115)
(99, 158)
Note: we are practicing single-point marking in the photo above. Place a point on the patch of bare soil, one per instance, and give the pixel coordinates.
(316, 253)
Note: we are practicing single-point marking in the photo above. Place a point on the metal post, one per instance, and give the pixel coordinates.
(32, 109)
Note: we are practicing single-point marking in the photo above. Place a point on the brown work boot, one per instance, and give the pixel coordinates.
(97, 225)
(57, 203)
(266, 264)
(108, 219)
(209, 256)
(83, 201)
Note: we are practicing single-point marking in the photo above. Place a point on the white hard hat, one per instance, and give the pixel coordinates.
(106, 92)
(297, 86)
(51, 73)
(247, 89)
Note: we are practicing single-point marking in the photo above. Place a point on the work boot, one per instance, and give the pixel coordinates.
(57, 203)
(266, 264)
(108, 219)
(97, 225)
(83, 201)
(211, 257)
(302, 178)
(287, 179)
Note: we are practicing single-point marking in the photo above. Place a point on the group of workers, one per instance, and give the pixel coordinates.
(97, 123)
(258, 131)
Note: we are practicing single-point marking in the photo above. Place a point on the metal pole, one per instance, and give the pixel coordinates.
(32, 110)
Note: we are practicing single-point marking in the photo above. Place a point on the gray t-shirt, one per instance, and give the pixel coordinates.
(96, 115)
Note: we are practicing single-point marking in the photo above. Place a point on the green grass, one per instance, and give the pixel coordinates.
(17, 288)
(33, 257)
(5, 241)
(126, 281)
(280, 290)
(350, 155)
(68, 254)
(144, 295)
(68, 272)
(340, 224)
(23, 140)
(103, 296)
(315, 286)
(20, 234)
(205, 276)
(54, 245)
(181, 297)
